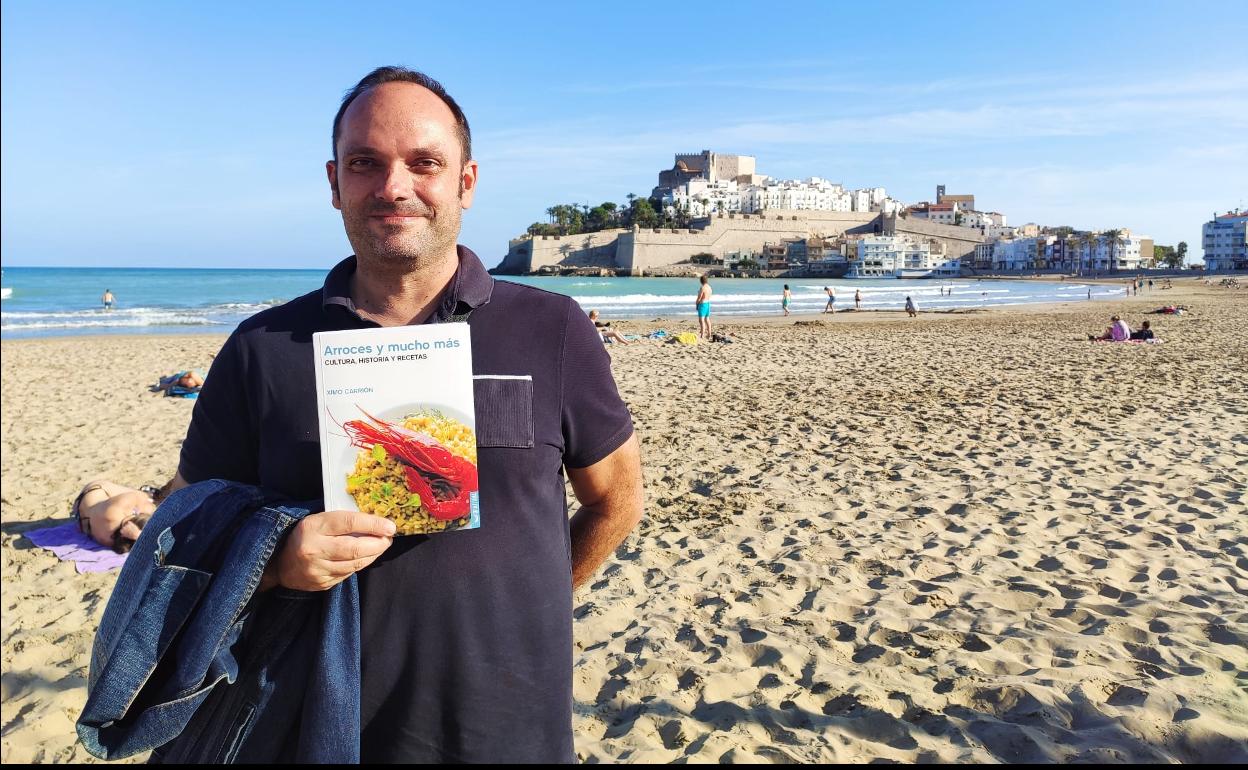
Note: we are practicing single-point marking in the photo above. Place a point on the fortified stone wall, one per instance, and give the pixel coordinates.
(647, 249)
(644, 249)
(586, 250)
(958, 241)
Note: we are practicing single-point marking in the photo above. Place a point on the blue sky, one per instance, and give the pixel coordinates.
(138, 134)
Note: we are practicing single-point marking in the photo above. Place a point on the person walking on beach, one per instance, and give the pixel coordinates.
(108, 299)
(467, 638)
(857, 299)
(831, 306)
(703, 305)
(786, 299)
(910, 307)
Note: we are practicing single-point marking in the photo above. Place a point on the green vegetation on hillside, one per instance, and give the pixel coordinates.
(575, 218)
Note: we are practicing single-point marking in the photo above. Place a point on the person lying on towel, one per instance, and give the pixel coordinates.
(113, 515)
(185, 384)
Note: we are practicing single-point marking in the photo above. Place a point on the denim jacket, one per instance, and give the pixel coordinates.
(190, 661)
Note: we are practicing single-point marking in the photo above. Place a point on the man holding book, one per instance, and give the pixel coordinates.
(467, 635)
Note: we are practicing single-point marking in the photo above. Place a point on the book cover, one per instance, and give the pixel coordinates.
(398, 427)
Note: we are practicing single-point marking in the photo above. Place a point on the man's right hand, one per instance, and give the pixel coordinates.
(325, 549)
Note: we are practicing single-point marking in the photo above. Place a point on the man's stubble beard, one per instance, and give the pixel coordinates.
(410, 252)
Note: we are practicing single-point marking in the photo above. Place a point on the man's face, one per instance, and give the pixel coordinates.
(400, 180)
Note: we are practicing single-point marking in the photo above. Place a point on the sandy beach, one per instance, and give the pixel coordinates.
(958, 538)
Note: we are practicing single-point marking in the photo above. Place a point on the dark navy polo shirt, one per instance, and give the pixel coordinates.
(467, 635)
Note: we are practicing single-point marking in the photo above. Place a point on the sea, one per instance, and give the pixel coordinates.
(52, 301)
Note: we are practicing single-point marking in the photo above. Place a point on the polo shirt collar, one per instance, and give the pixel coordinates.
(469, 289)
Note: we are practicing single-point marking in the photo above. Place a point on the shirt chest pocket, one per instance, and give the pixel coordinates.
(504, 410)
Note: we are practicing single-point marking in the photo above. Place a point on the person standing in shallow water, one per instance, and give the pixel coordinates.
(787, 298)
(703, 305)
(857, 299)
(108, 299)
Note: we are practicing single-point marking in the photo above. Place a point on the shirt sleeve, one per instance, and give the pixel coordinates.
(596, 421)
(221, 442)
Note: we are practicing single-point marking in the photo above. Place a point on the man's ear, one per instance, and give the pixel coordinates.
(331, 170)
(468, 182)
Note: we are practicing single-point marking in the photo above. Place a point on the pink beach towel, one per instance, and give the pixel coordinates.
(69, 544)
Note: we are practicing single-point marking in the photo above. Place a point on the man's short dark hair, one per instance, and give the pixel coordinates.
(404, 75)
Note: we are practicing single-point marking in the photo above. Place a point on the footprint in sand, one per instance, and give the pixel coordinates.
(1126, 695)
(867, 653)
(751, 635)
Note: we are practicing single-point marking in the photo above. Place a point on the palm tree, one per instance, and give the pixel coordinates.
(1112, 237)
(1088, 242)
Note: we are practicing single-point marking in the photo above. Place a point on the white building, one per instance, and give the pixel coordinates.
(1225, 242)
(1014, 254)
(944, 213)
(1050, 252)
(702, 198)
(981, 220)
(891, 256)
(1121, 253)
(891, 206)
(983, 255)
(814, 194)
(860, 200)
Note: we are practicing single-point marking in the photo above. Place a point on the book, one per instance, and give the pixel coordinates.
(398, 426)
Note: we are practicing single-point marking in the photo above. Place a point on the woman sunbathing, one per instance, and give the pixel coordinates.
(113, 515)
(190, 380)
(604, 328)
(185, 384)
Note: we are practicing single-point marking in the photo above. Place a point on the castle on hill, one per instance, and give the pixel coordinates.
(742, 221)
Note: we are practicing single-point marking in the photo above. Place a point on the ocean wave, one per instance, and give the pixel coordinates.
(114, 323)
(908, 286)
(771, 298)
(250, 307)
(768, 304)
(215, 315)
(668, 299)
